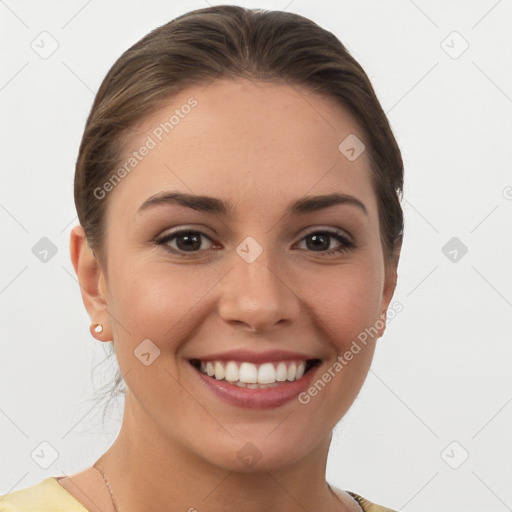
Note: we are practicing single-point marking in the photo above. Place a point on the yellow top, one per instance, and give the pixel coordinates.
(49, 496)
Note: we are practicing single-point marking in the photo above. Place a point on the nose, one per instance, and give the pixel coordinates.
(258, 295)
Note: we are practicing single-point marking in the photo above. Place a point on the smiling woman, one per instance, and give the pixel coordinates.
(235, 266)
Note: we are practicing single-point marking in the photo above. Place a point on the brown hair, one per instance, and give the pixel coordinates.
(229, 41)
(232, 41)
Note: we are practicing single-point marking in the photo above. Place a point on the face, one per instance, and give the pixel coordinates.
(259, 284)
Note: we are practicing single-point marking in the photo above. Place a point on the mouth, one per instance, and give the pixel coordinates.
(255, 376)
(255, 380)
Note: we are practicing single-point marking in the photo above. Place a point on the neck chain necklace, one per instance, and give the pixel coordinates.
(114, 501)
(108, 487)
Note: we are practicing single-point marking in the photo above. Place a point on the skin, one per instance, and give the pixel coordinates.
(259, 146)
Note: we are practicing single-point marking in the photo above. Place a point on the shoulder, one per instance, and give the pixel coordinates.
(368, 506)
(46, 496)
(359, 503)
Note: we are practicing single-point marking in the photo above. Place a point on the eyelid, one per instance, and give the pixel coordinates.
(187, 228)
(327, 229)
(304, 232)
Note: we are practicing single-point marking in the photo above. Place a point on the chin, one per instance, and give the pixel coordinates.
(257, 453)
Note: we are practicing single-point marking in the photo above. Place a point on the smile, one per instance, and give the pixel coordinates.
(255, 376)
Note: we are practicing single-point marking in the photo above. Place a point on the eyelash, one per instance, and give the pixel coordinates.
(346, 246)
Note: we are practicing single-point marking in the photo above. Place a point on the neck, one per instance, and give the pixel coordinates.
(143, 466)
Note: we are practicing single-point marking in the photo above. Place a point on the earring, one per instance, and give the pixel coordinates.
(98, 328)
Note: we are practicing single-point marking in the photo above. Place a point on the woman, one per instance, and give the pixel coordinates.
(238, 189)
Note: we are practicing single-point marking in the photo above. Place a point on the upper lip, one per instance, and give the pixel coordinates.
(251, 356)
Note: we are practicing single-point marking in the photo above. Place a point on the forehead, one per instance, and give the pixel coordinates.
(247, 141)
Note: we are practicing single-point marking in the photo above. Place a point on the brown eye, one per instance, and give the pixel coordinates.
(183, 241)
(320, 241)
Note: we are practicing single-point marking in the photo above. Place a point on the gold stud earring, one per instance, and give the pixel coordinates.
(98, 328)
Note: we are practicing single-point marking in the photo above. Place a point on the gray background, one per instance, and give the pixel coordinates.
(431, 427)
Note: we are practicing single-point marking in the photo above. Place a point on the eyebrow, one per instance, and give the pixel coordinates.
(214, 205)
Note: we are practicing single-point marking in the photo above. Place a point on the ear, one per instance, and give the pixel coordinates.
(92, 283)
(391, 277)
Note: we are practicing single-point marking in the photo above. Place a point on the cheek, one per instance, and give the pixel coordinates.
(346, 301)
(157, 301)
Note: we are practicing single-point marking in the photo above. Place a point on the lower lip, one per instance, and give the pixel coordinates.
(267, 398)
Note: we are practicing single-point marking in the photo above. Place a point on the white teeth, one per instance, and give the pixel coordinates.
(254, 376)
(281, 372)
(266, 374)
(256, 386)
(219, 371)
(292, 371)
(232, 373)
(248, 373)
